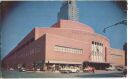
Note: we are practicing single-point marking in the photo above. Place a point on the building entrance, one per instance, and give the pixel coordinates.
(96, 65)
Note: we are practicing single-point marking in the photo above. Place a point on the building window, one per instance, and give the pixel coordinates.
(98, 43)
(95, 43)
(116, 56)
(97, 51)
(68, 49)
(92, 42)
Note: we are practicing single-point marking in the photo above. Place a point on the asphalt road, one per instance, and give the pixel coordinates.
(15, 74)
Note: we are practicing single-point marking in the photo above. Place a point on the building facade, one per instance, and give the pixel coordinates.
(65, 43)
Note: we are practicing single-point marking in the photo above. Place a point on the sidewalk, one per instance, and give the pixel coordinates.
(96, 72)
(104, 71)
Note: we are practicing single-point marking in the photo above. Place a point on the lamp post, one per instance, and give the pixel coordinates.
(120, 22)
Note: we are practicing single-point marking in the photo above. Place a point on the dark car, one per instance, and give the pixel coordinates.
(125, 72)
(119, 68)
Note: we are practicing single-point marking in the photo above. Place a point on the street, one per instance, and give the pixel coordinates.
(15, 74)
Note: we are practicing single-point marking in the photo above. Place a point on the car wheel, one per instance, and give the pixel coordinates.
(77, 71)
(67, 71)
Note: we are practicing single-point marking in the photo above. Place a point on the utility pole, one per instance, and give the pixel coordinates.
(125, 49)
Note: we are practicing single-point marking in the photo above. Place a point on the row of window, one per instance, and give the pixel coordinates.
(114, 55)
(27, 43)
(95, 53)
(97, 43)
(26, 53)
(97, 58)
(97, 49)
(68, 49)
(21, 47)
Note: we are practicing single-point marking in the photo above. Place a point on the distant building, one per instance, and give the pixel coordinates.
(68, 11)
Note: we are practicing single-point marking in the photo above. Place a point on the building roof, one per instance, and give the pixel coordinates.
(69, 24)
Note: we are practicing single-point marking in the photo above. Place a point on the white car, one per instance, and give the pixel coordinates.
(69, 70)
(112, 68)
(22, 69)
(11, 69)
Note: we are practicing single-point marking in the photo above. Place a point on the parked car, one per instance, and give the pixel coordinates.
(119, 68)
(69, 70)
(125, 72)
(111, 68)
(11, 69)
(38, 69)
(89, 69)
(22, 69)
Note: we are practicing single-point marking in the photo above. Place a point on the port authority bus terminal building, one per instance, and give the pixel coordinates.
(65, 43)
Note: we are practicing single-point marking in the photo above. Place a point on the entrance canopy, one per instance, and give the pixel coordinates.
(63, 62)
(96, 62)
(99, 62)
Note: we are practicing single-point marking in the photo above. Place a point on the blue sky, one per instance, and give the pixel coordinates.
(27, 15)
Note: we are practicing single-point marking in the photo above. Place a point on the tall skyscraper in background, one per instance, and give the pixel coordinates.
(68, 11)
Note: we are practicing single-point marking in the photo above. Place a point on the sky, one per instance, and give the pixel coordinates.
(27, 15)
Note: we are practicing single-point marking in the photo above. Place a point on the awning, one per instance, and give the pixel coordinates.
(96, 62)
(63, 62)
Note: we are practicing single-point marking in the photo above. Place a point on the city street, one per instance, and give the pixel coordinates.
(14, 74)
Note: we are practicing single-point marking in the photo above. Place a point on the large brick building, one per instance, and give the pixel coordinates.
(65, 43)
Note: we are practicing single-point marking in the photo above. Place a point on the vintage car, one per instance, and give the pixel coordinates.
(111, 68)
(69, 70)
(125, 72)
(22, 69)
(11, 69)
(119, 68)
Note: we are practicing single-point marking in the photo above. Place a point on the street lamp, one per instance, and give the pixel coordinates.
(121, 22)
